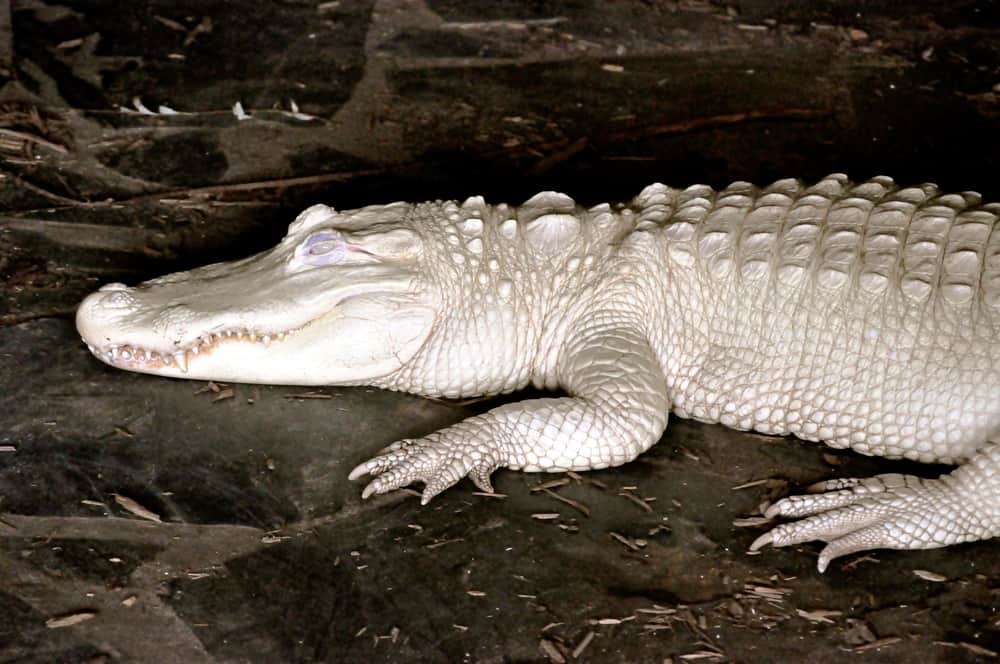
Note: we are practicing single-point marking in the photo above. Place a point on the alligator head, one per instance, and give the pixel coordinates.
(337, 301)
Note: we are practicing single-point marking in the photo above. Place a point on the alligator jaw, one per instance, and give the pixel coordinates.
(137, 358)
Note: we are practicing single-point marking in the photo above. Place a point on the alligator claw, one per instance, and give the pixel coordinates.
(888, 511)
(434, 460)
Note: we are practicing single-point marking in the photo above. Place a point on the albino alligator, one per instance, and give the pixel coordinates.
(863, 315)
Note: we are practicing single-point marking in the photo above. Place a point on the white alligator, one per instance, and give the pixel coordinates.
(862, 315)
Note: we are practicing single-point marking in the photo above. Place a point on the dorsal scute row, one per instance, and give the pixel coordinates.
(835, 234)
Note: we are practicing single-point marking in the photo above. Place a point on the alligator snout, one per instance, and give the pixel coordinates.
(100, 310)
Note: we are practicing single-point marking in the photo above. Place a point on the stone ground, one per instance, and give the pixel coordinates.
(150, 520)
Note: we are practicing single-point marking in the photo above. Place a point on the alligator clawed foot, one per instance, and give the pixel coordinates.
(889, 511)
(434, 460)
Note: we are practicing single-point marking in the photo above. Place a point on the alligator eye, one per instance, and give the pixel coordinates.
(323, 248)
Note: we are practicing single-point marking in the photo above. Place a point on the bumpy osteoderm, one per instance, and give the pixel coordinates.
(864, 315)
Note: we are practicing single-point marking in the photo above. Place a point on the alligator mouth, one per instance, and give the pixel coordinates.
(132, 356)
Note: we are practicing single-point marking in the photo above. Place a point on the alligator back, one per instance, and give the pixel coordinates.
(864, 315)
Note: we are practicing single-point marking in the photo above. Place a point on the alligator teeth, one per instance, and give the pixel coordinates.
(265, 339)
(253, 337)
(196, 349)
(182, 360)
(140, 355)
(126, 353)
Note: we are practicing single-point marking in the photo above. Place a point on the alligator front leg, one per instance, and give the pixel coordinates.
(894, 511)
(617, 409)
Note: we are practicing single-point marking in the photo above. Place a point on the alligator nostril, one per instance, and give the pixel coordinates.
(117, 299)
(112, 287)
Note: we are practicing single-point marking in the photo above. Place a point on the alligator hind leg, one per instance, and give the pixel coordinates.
(894, 511)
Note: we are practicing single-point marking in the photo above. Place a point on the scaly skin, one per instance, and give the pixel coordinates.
(865, 316)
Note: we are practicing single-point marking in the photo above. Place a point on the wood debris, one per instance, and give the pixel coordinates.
(69, 619)
(6, 449)
(309, 395)
(641, 502)
(751, 522)
(877, 643)
(580, 647)
(971, 647)
(818, 615)
(223, 394)
(488, 494)
(551, 650)
(546, 516)
(569, 501)
(929, 576)
(392, 636)
(747, 485)
(854, 562)
(135, 508)
(439, 544)
(857, 34)
(659, 528)
(773, 596)
(551, 484)
(633, 544)
(273, 538)
(69, 43)
(702, 654)
(210, 386)
(610, 621)
(475, 593)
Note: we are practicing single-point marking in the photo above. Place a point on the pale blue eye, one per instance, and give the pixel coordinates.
(323, 248)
